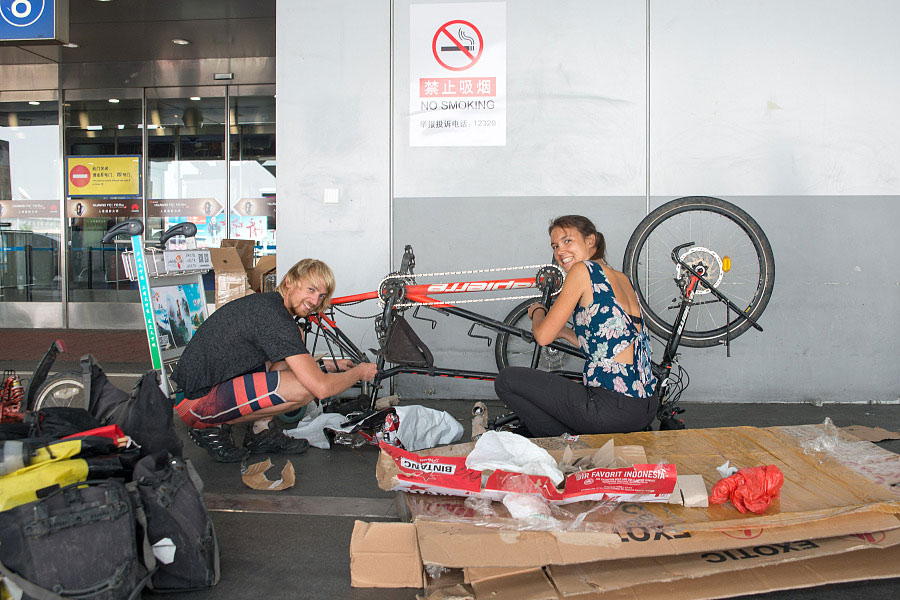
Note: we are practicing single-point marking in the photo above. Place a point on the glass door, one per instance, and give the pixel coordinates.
(252, 168)
(30, 222)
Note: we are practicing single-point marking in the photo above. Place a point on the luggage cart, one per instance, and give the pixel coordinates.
(173, 299)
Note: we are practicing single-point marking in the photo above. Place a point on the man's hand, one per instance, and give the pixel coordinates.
(333, 365)
(366, 371)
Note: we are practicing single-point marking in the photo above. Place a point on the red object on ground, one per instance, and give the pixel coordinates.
(113, 432)
(750, 489)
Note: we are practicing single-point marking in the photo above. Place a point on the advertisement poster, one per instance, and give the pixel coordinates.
(255, 207)
(78, 208)
(183, 207)
(457, 74)
(29, 209)
(103, 175)
(178, 312)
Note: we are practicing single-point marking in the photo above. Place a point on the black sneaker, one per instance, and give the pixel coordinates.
(217, 441)
(273, 441)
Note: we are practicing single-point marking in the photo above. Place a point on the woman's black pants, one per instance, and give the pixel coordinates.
(551, 405)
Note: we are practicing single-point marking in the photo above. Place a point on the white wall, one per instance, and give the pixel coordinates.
(333, 90)
(785, 108)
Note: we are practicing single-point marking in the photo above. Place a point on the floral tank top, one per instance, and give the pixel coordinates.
(604, 330)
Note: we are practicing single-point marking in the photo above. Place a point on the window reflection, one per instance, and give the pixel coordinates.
(29, 200)
(253, 168)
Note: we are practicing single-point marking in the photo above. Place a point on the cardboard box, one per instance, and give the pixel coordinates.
(230, 276)
(257, 275)
(645, 550)
(244, 249)
(385, 555)
(811, 490)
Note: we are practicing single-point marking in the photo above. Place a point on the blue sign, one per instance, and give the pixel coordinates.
(28, 20)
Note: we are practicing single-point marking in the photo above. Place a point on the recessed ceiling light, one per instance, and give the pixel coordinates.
(70, 45)
(113, 100)
(195, 98)
(34, 102)
(180, 42)
(121, 126)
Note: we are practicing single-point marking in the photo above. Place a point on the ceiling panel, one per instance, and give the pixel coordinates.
(142, 30)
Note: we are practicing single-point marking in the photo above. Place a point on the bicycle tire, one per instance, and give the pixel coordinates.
(722, 230)
(512, 351)
(294, 416)
(61, 389)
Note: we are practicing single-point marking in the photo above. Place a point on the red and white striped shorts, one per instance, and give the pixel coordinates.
(231, 400)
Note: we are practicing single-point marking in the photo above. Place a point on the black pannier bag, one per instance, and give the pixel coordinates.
(404, 347)
(171, 506)
(78, 542)
(145, 414)
(55, 422)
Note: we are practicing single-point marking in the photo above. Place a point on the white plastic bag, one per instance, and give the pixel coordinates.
(312, 427)
(422, 427)
(510, 452)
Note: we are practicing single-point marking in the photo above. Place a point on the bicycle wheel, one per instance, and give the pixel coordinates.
(61, 389)
(513, 351)
(727, 242)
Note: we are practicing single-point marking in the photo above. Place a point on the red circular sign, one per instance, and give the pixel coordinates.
(457, 50)
(80, 176)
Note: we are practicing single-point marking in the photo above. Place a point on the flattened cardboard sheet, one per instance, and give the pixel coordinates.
(858, 565)
(572, 580)
(465, 545)
(385, 555)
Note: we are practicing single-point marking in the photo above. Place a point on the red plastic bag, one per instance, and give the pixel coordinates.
(750, 489)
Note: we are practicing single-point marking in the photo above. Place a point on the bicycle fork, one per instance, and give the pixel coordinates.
(666, 414)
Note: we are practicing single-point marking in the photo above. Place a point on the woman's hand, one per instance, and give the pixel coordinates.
(537, 307)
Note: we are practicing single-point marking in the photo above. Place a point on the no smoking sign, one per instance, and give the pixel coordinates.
(457, 45)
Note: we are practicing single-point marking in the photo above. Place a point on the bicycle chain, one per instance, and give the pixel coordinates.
(411, 278)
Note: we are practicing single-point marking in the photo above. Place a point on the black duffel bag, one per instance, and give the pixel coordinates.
(172, 515)
(79, 541)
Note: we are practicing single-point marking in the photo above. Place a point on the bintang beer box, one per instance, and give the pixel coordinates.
(832, 522)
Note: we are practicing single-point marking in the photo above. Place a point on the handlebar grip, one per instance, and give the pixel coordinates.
(186, 229)
(129, 227)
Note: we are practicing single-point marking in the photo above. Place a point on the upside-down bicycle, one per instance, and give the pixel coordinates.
(721, 257)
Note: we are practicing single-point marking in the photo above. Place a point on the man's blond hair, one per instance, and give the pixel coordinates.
(314, 271)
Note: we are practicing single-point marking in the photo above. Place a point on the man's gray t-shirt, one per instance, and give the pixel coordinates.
(238, 338)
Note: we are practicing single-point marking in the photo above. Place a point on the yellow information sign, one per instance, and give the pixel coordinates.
(103, 175)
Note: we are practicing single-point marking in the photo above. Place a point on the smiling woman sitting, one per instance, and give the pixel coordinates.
(248, 362)
(616, 393)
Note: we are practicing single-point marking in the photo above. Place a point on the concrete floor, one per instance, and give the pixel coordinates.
(301, 549)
